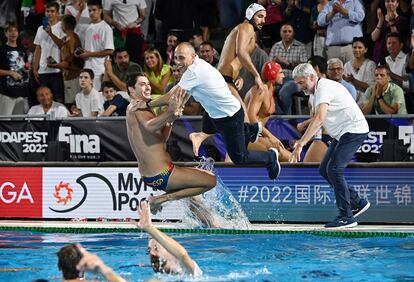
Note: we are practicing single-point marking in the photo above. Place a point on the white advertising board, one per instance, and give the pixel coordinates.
(97, 193)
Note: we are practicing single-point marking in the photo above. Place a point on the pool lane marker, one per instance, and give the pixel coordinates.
(325, 233)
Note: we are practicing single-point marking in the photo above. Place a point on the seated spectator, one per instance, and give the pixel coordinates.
(79, 10)
(360, 70)
(99, 42)
(384, 97)
(397, 61)
(172, 42)
(88, 101)
(47, 105)
(69, 64)
(343, 20)
(206, 52)
(288, 53)
(115, 104)
(192, 107)
(73, 261)
(390, 22)
(336, 71)
(14, 74)
(158, 73)
(118, 71)
(196, 39)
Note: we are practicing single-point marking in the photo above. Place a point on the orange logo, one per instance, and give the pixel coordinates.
(69, 191)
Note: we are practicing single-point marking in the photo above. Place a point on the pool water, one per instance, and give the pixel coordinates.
(292, 257)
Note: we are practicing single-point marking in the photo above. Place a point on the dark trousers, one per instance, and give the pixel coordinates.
(133, 44)
(236, 135)
(332, 168)
(55, 82)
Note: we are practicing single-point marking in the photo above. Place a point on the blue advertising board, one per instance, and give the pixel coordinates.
(300, 194)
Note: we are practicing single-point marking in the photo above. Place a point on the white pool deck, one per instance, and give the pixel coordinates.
(272, 227)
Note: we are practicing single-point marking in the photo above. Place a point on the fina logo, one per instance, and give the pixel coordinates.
(69, 191)
(80, 143)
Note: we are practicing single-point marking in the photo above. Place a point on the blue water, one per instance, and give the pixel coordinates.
(221, 257)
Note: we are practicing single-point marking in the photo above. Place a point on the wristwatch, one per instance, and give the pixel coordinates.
(148, 104)
(380, 98)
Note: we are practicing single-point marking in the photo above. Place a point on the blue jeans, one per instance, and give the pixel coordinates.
(332, 168)
(236, 135)
(287, 91)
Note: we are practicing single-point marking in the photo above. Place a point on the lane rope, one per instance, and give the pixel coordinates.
(323, 233)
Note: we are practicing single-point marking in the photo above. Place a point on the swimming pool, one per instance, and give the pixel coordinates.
(254, 257)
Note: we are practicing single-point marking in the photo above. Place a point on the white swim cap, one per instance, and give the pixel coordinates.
(253, 9)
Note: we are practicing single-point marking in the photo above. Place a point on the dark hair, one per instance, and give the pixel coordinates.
(108, 84)
(132, 78)
(320, 62)
(95, 3)
(119, 50)
(69, 21)
(396, 35)
(52, 4)
(10, 25)
(207, 43)
(384, 67)
(360, 39)
(68, 258)
(91, 73)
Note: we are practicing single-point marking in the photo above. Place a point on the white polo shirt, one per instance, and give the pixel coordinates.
(59, 110)
(343, 114)
(206, 84)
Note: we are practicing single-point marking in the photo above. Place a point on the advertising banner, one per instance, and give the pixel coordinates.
(97, 193)
(21, 192)
(390, 139)
(302, 195)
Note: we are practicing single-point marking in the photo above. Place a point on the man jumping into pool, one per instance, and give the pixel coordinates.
(148, 133)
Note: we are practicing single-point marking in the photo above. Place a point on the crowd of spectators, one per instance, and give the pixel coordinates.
(72, 58)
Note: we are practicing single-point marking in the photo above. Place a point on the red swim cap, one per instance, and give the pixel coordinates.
(271, 70)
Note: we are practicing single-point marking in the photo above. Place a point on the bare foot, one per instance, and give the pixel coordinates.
(155, 203)
(197, 138)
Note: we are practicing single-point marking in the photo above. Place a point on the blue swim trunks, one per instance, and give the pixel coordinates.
(160, 181)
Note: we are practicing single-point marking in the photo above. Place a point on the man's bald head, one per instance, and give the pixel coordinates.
(184, 55)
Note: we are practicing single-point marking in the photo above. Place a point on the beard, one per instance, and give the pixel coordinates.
(255, 26)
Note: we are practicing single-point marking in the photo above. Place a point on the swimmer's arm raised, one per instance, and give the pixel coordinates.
(172, 246)
(153, 124)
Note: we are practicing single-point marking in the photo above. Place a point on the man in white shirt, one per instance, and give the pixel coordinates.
(126, 17)
(99, 42)
(88, 101)
(48, 52)
(338, 113)
(397, 61)
(223, 111)
(47, 105)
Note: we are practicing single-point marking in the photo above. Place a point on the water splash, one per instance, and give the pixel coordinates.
(215, 208)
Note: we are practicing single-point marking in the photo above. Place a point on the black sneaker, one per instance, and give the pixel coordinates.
(256, 130)
(342, 222)
(363, 206)
(274, 168)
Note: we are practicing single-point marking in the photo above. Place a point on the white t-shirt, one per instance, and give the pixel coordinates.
(397, 66)
(57, 110)
(83, 23)
(48, 47)
(343, 114)
(98, 37)
(124, 12)
(89, 103)
(206, 84)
